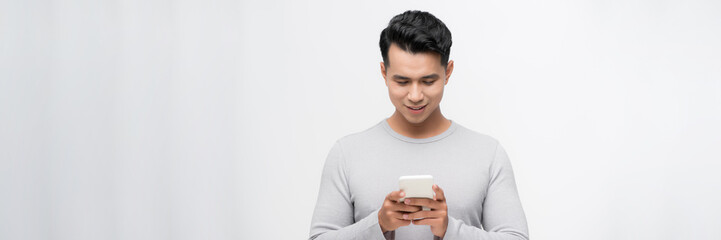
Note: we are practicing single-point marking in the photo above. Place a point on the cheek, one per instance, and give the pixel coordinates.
(396, 94)
(435, 93)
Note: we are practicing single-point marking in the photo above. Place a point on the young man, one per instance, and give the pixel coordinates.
(359, 196)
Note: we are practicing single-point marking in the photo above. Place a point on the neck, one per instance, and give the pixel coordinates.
(435, 124)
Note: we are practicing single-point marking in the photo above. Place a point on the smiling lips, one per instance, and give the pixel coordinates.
(417, 109)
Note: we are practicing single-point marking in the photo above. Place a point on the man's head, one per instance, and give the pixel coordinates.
(415, 48)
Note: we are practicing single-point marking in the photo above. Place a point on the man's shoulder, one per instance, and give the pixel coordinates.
(474, 137)
(372, 133)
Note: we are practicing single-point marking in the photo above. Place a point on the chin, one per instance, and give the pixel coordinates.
(416, 120)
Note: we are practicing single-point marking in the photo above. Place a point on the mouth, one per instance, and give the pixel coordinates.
(416, 109)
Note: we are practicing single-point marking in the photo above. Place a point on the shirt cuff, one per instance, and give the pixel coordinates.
(454, 226)
(371, 227)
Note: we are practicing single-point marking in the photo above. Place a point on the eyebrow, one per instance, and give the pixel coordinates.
(431, 76)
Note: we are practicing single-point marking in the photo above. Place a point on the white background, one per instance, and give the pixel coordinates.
(142, 119)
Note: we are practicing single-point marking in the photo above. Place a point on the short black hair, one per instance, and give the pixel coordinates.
(414, 32)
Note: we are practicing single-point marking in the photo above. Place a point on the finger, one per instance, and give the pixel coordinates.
(425, 214)
(401, 222)
(440, 195)
(428, 221)
(393, 215)
(396, 195)
(402, 207)
(424, 202)
(396, 218)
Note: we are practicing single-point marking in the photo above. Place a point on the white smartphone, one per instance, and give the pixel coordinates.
(417, 186)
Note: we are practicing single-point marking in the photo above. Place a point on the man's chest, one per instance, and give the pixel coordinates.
(464, 181)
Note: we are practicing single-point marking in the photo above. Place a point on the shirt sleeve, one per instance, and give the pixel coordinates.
(503, 216)
(333, 215)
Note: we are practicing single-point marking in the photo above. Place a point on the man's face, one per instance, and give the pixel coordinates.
(415, 82)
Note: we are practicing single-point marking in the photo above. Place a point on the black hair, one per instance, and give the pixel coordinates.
(414, 32)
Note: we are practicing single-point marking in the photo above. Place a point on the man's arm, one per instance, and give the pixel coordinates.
(333, 215)
(503, 216)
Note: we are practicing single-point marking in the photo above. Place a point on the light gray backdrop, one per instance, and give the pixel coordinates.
(212, 119)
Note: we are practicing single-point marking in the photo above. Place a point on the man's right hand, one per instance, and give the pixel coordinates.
(394, 214)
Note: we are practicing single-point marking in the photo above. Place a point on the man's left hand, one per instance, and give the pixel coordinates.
(437, 217)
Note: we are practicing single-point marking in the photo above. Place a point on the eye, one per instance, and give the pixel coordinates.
(402, 82)
(429, 82)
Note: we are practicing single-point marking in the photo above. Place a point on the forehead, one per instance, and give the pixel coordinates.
(413, 64)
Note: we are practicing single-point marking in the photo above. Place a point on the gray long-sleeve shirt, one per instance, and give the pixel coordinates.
(472, 168)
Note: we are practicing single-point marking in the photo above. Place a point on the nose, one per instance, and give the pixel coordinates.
(415, 95)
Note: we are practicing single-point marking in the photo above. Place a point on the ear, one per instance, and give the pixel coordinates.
(449, 70)
(383, 72)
